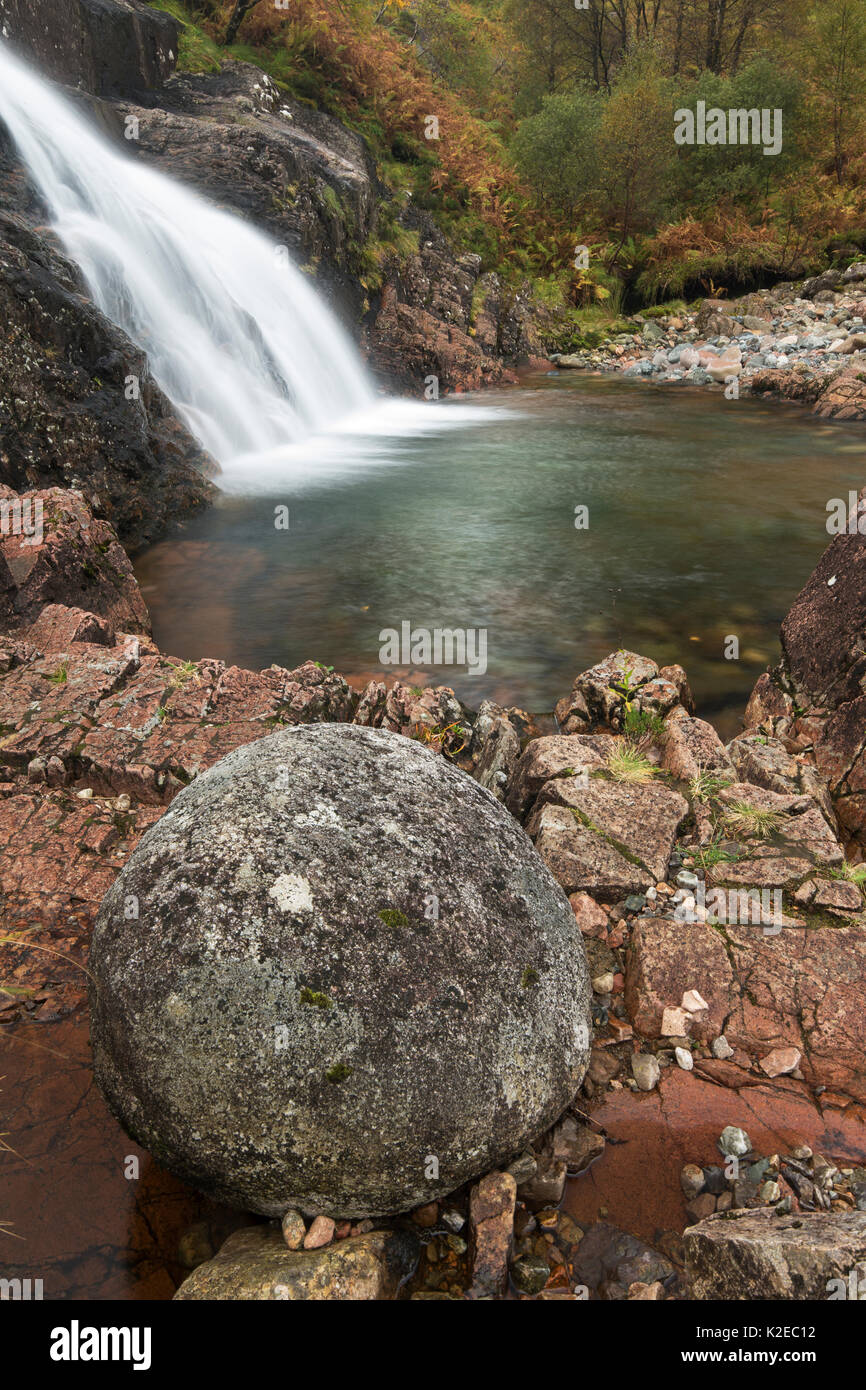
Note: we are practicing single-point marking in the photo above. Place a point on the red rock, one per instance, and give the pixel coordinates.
(321, 1233)
(491, 1222)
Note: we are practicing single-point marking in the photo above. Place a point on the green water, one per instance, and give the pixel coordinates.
(706, 517)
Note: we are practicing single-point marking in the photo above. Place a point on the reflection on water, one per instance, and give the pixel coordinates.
(80, 1219)
(706, 517)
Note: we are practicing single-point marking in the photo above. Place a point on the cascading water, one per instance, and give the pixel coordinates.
(235, 334)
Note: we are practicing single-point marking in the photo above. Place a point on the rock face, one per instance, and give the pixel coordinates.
(815, 700)
(64, 416)
(733, 1255)
(109, 47)
(254, 1265)
(351, 985)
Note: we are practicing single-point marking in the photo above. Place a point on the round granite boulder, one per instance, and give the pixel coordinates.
(336, 976)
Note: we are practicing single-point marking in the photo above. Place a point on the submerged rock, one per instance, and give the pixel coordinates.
(351, 984)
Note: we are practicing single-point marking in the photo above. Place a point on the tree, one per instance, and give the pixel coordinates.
(837, 43)
(238, 15)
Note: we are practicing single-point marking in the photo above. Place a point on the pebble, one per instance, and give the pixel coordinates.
(294, 1230)
(645, 1070)
(603, 984)
(693, 1002)
(692, 1180)
(86, 794)
(675, 1023)
(721, 1048)
(320, 1233)
(685, 1060)
(530, 1273)
(734, 1141)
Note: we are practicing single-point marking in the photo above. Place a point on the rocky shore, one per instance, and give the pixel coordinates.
(636, 807)
(800, 342)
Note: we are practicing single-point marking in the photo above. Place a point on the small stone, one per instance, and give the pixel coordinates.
(523, 1169)
(635, 902)
(701, 1206)
(639, 1292)
(693, 1002)
(685, 1060)
(603, 984)
(734, 1141)
(645, 1070)
(122, 803)
(86, 794)
(686, 879)
(530, 1273)
(692, 1181)
(770, 1192)
(453, 1219)
(724, 1201)
(802, 1153)
(320, 1233)
(427, 1215)
(675, 1023)
(722, 1048)
(781, 1061)
(294, 1230)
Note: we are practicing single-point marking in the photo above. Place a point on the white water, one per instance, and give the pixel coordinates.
(236, 336)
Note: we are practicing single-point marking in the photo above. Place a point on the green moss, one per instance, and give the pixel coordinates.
(528, 978)
(338, 1072)
(316, 999)
(196, 52)
(393, 918)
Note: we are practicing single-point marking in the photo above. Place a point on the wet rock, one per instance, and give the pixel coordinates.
(491, 1222)
(757, 1254)
(548, 1184)
(292, 883)
(577, 1145)
(530, 1273)
(107, 47)
(254, 1264)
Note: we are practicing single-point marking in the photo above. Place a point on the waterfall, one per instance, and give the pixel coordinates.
(237, 337)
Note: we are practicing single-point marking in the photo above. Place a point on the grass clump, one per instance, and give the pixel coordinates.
(392, 918)
(626, 763)
(753, 822)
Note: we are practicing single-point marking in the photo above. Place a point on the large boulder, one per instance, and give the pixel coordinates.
(351, 984)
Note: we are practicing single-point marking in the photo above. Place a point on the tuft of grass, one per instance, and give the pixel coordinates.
(751, 821)
(852, 873)
(626, 763)
(60, 676)
(182, 673)
(707, 784)
(707, 856)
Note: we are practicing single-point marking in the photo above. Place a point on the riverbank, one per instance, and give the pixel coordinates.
(802, 342)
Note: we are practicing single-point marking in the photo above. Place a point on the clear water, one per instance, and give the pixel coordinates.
(706, 517)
